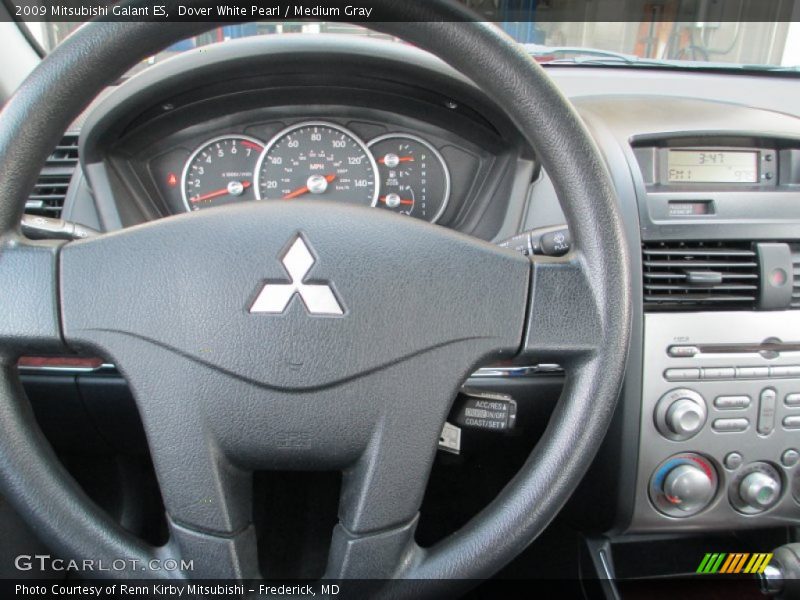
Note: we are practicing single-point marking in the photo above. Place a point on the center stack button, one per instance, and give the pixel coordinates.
(766, 411)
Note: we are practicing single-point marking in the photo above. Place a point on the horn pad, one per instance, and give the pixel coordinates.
(293, 295)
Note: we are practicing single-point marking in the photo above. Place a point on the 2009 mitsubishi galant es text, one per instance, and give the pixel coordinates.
(457, 299)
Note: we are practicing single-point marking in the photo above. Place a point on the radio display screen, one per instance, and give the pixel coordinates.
(712, 166)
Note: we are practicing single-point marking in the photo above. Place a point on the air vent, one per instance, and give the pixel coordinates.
(704, 275)
(796, 281)
(47, 198)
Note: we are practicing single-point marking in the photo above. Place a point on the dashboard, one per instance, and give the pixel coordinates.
(392, 131)
(399, 171)
(707, 174)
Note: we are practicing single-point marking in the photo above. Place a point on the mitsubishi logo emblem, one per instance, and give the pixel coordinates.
(318, 298)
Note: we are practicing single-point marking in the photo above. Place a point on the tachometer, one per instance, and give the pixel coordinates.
(414, 178)
(220, 171)
(319, 160)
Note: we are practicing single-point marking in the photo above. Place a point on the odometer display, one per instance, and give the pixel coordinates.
(317, 160)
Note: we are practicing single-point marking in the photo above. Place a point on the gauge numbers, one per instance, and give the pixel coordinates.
(398, 172)
(317, 160)
(220, 171)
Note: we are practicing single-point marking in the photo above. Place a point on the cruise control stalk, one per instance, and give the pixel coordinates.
(47, 228)
(545, 241)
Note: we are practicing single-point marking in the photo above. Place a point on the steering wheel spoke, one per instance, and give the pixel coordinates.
(233, 556)
(29, 296)
(565, 323)
(202, 488)
(382, 555)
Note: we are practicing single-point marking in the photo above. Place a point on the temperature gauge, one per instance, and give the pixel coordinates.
(414, 179)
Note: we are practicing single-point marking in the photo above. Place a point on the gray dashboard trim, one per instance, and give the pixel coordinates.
(615, 121)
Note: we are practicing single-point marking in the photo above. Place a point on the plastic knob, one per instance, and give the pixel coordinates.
(689, 488)
(685, 417)
(759, 490)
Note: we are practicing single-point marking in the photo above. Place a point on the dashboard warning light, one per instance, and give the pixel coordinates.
(172, 179)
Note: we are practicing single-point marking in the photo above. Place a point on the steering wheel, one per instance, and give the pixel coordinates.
(268, 346)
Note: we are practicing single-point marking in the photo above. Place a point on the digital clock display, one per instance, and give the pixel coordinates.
(712, 166)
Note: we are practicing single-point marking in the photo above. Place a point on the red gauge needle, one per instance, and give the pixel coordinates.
(221, 192)
(382, 159)
(305, 189)
(252, 145)
(402, 201)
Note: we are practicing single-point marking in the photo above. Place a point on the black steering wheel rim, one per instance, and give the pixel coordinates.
(596, 274)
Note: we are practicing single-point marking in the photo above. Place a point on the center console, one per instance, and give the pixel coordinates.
(719, 430)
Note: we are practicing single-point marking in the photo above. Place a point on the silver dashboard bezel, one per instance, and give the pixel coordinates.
(662, 329)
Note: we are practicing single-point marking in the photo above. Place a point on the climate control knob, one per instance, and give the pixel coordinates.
(759, 490)
(680, 414)
(683, 485)
(689, 488)
(756, 488)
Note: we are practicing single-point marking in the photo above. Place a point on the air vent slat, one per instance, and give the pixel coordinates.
(684, 276)
(706, 252)
(47, 197)
(700, 275)
(796, 281)
(697, 264)
(717, 288)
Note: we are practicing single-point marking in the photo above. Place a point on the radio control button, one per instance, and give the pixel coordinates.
(790, 457)
(731, 425)
(752, 372)
(731, 402)
(733, 460)
(682, 374)
(683, 351)
(719, 373)
(766, 411)
(791, 422)
(785, 371)
(792, 400)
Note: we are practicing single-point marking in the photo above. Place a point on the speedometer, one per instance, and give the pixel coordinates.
(319, 160)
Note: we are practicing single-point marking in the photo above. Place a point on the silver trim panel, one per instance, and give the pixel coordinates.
(737, 329)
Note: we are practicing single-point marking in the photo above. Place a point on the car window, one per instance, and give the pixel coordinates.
(731, 44)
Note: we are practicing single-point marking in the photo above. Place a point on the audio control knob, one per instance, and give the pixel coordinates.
(759, 490)
(680, 414)
(685, 417)
(689, 488)
(683, 485)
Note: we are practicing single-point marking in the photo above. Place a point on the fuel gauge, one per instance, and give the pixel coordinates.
(414, 179)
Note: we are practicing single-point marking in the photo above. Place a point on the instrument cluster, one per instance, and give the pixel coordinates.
(318, 159)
